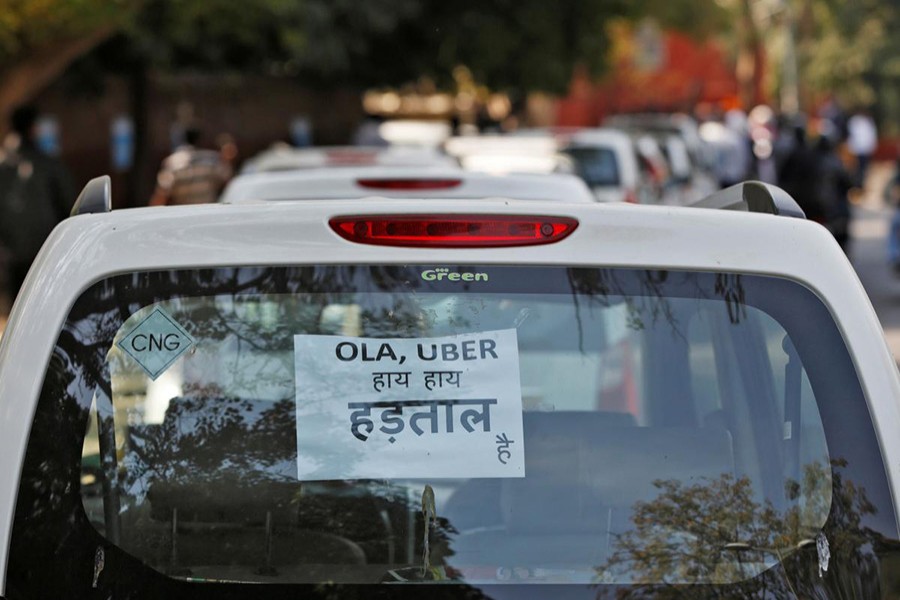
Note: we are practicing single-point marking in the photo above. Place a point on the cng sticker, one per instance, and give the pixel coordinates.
(156, 342)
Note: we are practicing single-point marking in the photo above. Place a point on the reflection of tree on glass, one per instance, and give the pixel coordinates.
(691, 380)
(719, 531)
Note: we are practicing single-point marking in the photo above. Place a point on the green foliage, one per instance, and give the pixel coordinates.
(842, 45)
(699, 18)
(517, 45)
(719, 531)
(27, 25)
(524, 44)
(513, 44)
(215, 35)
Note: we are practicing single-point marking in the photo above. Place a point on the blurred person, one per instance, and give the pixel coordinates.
(892, 197)
(763, 131)
(862, 140)
(228, 151)
(742, 151)
(798, 174)
(729, 151)
(36, 193)
(191, 175)
(834, 184)
(786, 137)
(833, 119)
(368, 132)
(892, 188)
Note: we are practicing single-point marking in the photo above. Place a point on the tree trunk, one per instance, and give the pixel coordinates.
(750, 59)
(138, 192)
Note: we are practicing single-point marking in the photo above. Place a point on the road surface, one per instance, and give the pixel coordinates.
(868, 254)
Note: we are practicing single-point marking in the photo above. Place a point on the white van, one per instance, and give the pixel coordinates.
(447, 399)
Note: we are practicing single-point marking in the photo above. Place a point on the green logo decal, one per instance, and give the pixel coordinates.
(442, 273)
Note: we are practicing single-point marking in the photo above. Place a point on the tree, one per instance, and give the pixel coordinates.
(843, 46)
(40, 38)
(526, 44)
(718, 531)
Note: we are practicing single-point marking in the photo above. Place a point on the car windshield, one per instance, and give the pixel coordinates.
(597, 166)
(477, 425)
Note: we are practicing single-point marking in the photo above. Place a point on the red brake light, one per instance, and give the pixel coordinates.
(409, 184)
(453, 231)
(350, 157)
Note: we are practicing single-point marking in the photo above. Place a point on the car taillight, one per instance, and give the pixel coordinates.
(453, 231)
(409, 184)
(631, 196)
(350, 157)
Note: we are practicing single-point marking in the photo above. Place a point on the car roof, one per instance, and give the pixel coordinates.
(286, 158)
(508, 154)
(267, 233)
(415, 132)
(388, 182)
(600, 135)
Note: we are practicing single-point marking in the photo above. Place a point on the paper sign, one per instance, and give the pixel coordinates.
(156, 342)
(377, 408)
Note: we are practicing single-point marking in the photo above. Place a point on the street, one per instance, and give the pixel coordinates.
(869, 257)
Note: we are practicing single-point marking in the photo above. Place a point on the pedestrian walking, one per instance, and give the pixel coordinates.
(797, 176)
(191, 175)
(862, 140)
(892, 197)
(36, 193)
(833, 184)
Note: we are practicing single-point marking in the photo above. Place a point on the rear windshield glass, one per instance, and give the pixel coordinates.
(597, 166)
(474, 426)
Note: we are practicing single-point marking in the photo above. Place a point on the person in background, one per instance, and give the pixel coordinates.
(862, 140)
(228, 151)
(797, 176)
(368, 133)
(833, 119)
(191, 175)
(833, 185)
(892, 198)
(36, 193)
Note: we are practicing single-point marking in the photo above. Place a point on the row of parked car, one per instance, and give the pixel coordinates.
(393, 373)
(646, 160)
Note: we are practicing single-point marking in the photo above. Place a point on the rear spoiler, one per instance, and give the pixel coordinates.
(753, 196)
(96, 197)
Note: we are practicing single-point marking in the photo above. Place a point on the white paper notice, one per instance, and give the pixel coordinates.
(398, 408)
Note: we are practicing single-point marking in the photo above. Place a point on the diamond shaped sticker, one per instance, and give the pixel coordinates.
(156, 342)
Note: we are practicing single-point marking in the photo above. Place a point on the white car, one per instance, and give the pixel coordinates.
(457, 398)
(662, 124)
(687, 184)
(607, 161)
(504, 154)
(396, 182)
(288, 158)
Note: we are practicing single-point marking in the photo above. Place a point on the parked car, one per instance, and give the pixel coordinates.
(687, 183)
(399, 182)
(456, 398)
(654, 168)
(618, 166)
(607, 161)
(287, 158)
(504, 154)
(678, 124)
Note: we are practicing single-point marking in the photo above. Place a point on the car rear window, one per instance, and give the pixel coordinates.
(597, 166)
(208, 431)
